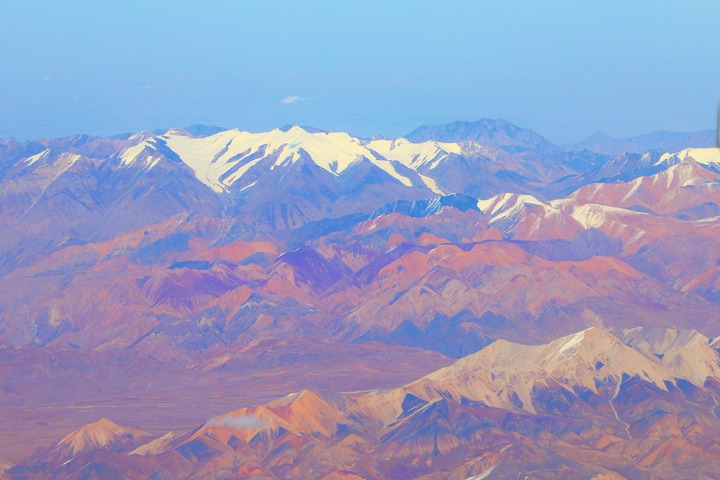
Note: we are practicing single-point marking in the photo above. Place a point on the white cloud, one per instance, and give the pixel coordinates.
(240, 423)
(146, 87)
(292, 99)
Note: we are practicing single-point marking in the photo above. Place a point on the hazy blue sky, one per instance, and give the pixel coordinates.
(565, 69)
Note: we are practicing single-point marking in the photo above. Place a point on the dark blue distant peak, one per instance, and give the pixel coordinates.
(199, 130)
(307, 129)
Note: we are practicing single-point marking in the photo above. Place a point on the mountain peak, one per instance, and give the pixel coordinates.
(200, 130)
(505, 374)
(496, 133)
(304, 128)
(303, 399)
(688, 353)
(592, 341)
(300, 413)
(101, 434)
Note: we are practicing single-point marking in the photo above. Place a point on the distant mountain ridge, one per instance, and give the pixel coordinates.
(497, 133)
(657, 141)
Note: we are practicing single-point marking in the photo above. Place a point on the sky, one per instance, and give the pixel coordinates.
(565, 69)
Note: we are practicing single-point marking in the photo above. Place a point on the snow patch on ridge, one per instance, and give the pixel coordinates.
(703, 156)
(573, 342)
(35, 158)
(415, 155)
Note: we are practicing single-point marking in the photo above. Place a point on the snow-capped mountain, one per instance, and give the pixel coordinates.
(230, 161)
(226, 160)
(280, 179)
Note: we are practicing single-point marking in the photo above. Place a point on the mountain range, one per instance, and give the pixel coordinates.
(471, 301)
(504, 135)
(587, 405)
